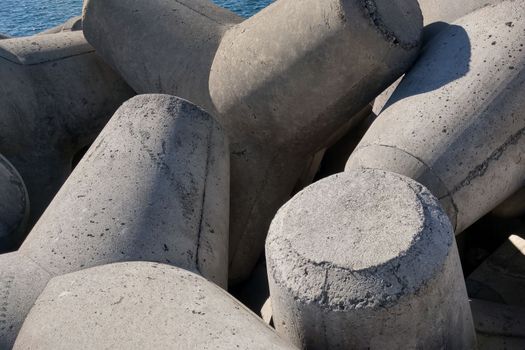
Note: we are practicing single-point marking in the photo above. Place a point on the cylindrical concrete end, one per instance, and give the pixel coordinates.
(141, 305)
(367, 259)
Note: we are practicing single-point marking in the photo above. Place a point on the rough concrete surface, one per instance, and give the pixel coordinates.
(153, 186)
(456, 122)
(55, 97)
(281, 82)
(329, 291)
(141, 305)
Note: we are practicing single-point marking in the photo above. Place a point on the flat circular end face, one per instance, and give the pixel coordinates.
(355, 221)
(13, 200)
(366, 226)
(400, 22)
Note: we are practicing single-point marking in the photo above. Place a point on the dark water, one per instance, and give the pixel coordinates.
(26, 17)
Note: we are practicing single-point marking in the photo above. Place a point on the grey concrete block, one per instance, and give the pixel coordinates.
(456, 122)
(281, 82)
(72, 24)
(449, 10)
(153, 186)
(14, 206)
(55, 97)
(367, 260)
(141, 305)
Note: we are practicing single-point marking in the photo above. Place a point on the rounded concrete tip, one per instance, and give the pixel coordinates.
(361, 260)
(141, 305)
(361, 224)
(400, 22)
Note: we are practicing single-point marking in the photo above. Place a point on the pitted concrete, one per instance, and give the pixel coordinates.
(367, 259)
(456, 122)
(281, 83)
(153, 186)
(141, 305)
(55, 97)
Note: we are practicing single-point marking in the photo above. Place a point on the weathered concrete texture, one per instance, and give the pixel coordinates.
(154, 187)
(141, 305)
(498, 326)
(55, 97)
(367, 260)
(450, 10)
(72, 24)
(512, 207)
(14, 205)
(21, 281)
(456, 123)
(501, 277)
(281, 82)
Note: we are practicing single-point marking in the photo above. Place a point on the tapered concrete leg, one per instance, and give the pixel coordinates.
(55, 97)
(456, 123)
(367, 260)
(154, 187)
(334, 57)
(141, 305)
(71, 25)
(14, 205)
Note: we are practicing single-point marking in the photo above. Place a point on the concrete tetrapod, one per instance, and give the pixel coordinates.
(367, 260)
(55, 97)
(154, 186)
(456, 123)
(280, 83)
(141, 305)
(449, 10)
(14, 205)
(72, 24)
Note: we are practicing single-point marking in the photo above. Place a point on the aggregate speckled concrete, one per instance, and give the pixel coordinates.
(281, 82)
(153, 186)
(141, 305)
(14, 205)
(55, 97)
(367, 260)
(456, 123)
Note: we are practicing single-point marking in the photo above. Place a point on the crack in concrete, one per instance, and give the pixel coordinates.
(482, 168)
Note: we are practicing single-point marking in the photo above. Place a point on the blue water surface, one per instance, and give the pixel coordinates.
(26, 17)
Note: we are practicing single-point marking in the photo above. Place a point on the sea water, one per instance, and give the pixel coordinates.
(26, 17)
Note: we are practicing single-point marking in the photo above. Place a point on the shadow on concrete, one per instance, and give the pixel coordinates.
(445, 57)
